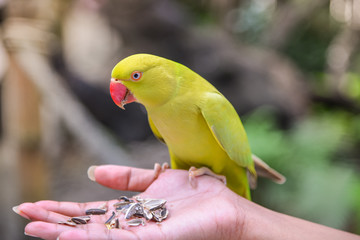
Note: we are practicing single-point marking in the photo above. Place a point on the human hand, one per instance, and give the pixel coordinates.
(209, 211)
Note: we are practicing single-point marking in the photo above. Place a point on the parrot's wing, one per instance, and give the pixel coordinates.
(227, 129)
(155, 131)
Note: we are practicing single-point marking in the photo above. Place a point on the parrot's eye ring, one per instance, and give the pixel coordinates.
(136, 75)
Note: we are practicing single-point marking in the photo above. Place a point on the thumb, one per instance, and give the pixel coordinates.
(122, 178)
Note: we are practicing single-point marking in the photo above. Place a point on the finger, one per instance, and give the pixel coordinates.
(122, 178)
(150, 231)
(47, 230)
(92, 234)
(36, 213)
(73, 208)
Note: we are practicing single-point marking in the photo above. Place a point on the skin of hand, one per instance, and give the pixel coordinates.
(209, 211)
(185, 112)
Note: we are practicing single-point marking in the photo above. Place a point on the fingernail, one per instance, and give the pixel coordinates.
(28, 234)
(91, 173)
(17, 211)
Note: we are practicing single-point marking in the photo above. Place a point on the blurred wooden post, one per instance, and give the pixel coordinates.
(22, 129)
(22, 99)
(23, 164)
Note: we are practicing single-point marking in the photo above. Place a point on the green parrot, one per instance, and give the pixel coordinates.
(200, 127)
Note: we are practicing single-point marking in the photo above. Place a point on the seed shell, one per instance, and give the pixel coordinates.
(160, 214)
(115, 223)
(139, 199)
(95, 211)
(147, 214)
(134, 209)
(121, 205)
(111, 218)
(136, 222)
(80, 219)
(125, 199)
(71, 224)
(153, 204)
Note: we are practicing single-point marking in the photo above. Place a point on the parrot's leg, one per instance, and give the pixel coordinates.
(159, 169)
(196, 172)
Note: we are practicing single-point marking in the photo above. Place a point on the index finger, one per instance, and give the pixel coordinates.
(122, 178)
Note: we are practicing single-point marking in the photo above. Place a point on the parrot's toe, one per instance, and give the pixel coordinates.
(192, 175)
(196, 172)
(159, 169)
(165, 166)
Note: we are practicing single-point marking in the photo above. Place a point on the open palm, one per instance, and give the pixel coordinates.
(209, 211)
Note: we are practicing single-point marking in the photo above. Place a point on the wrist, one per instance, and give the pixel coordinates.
(257, 222)
(263, 223)
(243, 219)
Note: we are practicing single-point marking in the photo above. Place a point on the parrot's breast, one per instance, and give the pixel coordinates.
(188, 136)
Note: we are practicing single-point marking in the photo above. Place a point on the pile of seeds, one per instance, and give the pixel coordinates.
(136, 212)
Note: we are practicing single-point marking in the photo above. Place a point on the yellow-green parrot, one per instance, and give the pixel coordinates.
(197, 123)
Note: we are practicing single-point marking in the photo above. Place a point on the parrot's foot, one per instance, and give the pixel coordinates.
(159, 169)
(196, 172)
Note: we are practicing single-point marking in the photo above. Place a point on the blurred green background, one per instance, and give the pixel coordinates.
(290, 68)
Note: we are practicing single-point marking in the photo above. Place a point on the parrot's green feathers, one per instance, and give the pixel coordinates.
(227, 129)
(197, 123)
(155, 131)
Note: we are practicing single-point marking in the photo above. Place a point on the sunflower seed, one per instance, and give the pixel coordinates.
(139, 199)
(121, 204)
(124, 209)
(136, 222)
(134, 209)
(108, 222)
(160, 214)
(80, 219)
(125, 199)
(147, 214)
(72, 224)
(110, 218)
(153, 204)
(95, 211)
(115, 223)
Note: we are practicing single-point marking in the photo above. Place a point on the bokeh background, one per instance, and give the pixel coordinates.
(290, 68)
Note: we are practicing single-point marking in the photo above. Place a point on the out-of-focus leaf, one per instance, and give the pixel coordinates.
(319, 186)
(355, 199)
(352, 86)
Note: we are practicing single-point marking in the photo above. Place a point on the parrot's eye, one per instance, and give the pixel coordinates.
(136, 75)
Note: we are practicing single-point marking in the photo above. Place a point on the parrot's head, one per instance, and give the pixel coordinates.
(144, 78)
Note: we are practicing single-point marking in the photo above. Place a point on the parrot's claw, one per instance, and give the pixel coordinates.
(159, 169)
(165, 166)
(192, 177)
(196, 172)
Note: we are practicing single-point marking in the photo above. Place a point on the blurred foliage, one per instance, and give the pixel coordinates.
(200, 11)
(319, 155)
(352, 87)
(251, 19)
(315, 156)
(318, 152)
(308, 45)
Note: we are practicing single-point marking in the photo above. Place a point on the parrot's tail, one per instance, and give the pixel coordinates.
(264, 170)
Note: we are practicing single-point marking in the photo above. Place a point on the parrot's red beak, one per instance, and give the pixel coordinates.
(120, 94)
